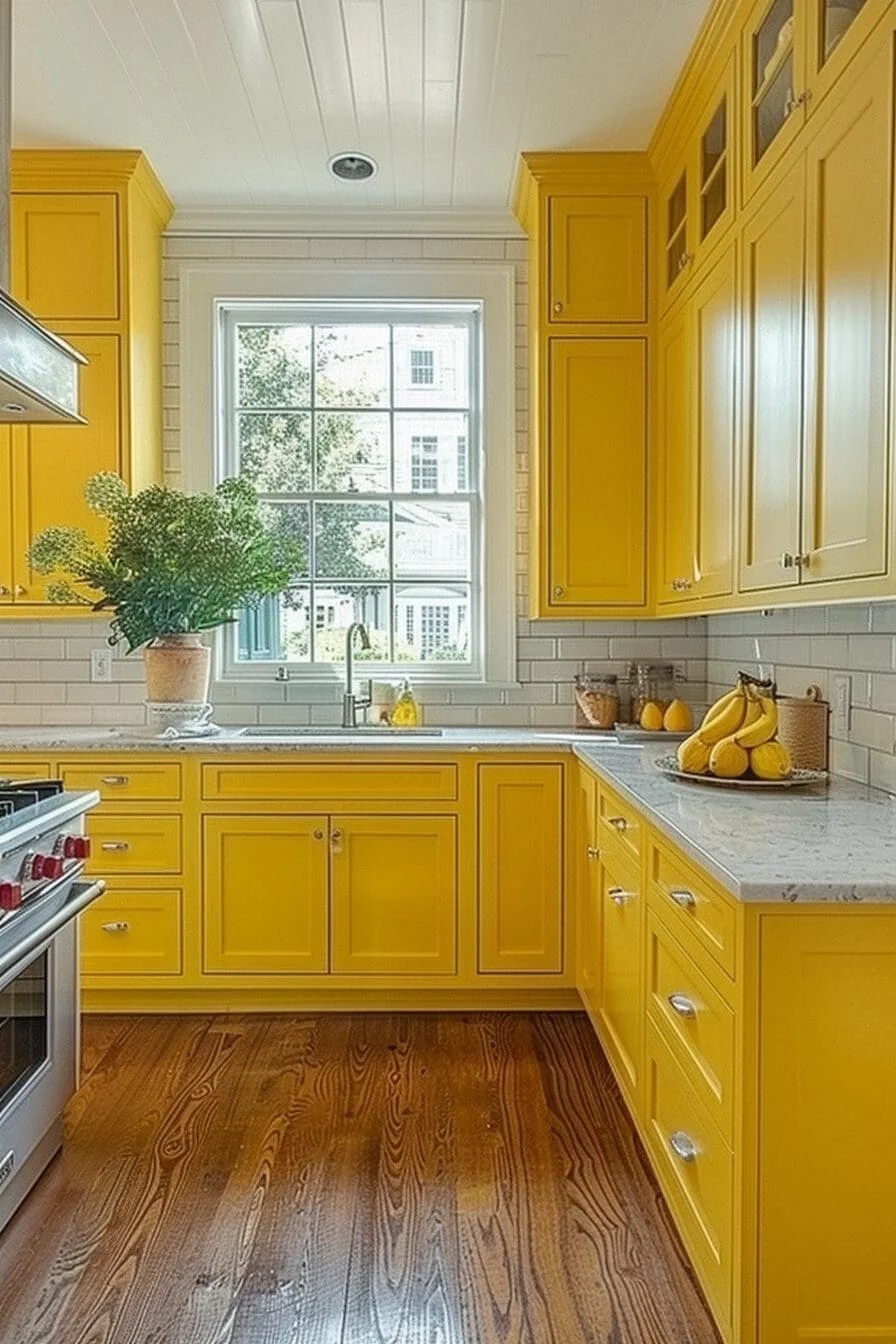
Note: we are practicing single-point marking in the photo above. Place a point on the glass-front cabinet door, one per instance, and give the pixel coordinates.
(712, 164)
(678, 256)
(834, 31)
(775, 99)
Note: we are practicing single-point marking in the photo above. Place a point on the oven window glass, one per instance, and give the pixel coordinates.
(24, 1044)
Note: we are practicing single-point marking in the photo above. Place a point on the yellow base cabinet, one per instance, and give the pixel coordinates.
(620, 940)
(133, 931)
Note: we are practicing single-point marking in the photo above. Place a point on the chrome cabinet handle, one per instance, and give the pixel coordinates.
(681, 585)
(336, 841)
(115, 846)
(19, 590)
(787, 561)
(115, 781)
(685, 260)
(593, 852)
(558, 307)
(619, 896)
(682, 1005)
(4, 591)
(686, 899)
(117, 926)
(683, 1146)
(618, 823)
(802, 561)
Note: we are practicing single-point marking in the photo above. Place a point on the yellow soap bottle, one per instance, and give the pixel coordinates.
(406, 710)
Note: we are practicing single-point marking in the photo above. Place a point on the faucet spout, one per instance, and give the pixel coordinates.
(351, 703)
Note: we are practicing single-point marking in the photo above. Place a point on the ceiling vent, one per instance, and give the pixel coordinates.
(353, 167)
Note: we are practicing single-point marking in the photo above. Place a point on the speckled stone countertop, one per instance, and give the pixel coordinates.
(834, 842)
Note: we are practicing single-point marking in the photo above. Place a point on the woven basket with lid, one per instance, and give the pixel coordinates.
(803, 728)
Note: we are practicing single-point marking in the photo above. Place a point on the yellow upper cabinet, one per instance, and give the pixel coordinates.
(675, 497)
(87, 258)
(597, 259)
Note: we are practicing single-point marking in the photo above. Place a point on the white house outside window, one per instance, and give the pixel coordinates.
(359, 426)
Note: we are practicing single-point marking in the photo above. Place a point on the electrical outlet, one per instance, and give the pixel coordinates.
(840, 711)
(680, 671)
(101, 665)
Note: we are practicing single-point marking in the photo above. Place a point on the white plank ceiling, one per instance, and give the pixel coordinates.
(239, 103)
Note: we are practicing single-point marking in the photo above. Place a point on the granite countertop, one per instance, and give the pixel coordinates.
(834, 842)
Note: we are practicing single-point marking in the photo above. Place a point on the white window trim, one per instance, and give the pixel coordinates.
(204, 283)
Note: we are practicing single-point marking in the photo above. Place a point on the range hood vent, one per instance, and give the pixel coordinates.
(38, 371)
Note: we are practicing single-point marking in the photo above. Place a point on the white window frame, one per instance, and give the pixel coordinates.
(205, 285)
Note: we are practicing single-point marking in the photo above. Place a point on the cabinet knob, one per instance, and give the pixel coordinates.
(683, 1146)
(686, 899)
(593, 852)
(558, 591)
(787, 560)
(336, 841)
(685, 260)
(802, 561)
(318, 835)
(619, 824)
(117, 926)
(19, 590)
(682, 1005)
(4, 591)
(619, 896)
(558, 307)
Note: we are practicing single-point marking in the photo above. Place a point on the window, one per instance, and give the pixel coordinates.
(423, 369)
(317, 410)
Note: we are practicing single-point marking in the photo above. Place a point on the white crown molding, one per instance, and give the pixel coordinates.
(286, 223)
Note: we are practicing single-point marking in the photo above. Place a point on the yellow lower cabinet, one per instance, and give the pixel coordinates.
(521, 868)
(265, 891)
(21, 768)
(620, 1014)
(393, 890)
(130, 931)
(827, 1101)
(125, 843)
(587, 892)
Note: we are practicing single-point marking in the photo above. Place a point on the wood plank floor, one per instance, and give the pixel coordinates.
(363, 1179)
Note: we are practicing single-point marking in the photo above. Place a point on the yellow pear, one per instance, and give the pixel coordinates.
(651, 717)
(678, 718)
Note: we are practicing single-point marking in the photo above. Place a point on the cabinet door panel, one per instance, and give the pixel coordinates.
(65, 255)
(621, 1012)
(773, 389)
(394, 895)
(521, 868)
(597, 473)
(53, 462)
(675, 496)
(849, 160)
(598, 259)
(714, 385)
(265, 894)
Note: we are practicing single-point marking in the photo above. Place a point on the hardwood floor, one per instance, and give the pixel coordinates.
(364, 1179)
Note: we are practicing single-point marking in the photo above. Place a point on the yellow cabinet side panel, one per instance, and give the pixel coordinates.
(65, 264)
(598, 259)
(265, 888)
(521, 868)
(597, 472)
(827, 1189)
(849, 230)
(714, 384)
(393, 891)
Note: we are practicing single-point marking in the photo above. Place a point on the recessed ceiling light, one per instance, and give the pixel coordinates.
(352, 167)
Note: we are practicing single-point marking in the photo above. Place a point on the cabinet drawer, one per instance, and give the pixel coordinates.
(694, 1020)
(132, 932)
(21, 768)
(372, 781)
(619, 825)
(124, 781)
(130, 844)
(688, 903)
(696, 1170)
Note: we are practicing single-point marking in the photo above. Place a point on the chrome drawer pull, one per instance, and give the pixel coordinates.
(620, 896)
(115, 781)
(686, 899)
(115, 846)
(618, 823)
(683, 1146)
(682, 1005)
(118, 926)
(592, 852)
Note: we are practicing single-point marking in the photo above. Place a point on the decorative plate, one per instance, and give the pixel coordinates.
(631, 732)
(668, 765)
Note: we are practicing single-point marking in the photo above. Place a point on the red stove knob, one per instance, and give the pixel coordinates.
(46, 867)
(10, 895)
(76, 847)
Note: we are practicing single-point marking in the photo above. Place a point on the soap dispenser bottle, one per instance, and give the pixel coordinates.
(406, 710)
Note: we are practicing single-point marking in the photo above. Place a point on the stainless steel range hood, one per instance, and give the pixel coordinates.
(38, 371)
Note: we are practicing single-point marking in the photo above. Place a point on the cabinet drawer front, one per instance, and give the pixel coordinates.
(694, 1020)
(22, 768)
(620, 912)
(124, 781)
(130, 844)
(690, 905)
(696, 1170)
(372, 781)
(132, 932)
(619, 825)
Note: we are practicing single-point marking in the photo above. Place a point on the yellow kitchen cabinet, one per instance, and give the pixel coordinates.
(133, 931)
(587, 893)
(620, 1013)
(677, 256)
(393, 891)
(521, 841)
(598, 259)
(86, 249)
(7, 549)
(596, 475)
(772, 379)
(675, 459)
(265, 892)
(827, 1096)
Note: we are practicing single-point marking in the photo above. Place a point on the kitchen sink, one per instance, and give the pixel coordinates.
(369, 730)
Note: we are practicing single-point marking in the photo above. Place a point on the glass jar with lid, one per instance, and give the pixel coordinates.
(651, 682)
(597, 701)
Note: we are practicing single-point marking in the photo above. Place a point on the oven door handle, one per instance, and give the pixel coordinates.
(82, 894)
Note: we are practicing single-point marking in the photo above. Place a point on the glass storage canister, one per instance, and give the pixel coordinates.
(651, 682)
(597, 701)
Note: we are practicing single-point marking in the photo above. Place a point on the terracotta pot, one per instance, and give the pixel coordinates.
(177, 668)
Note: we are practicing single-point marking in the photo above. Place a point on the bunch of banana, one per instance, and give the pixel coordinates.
(738, 733)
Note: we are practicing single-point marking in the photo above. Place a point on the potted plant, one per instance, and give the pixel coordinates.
(173, 566)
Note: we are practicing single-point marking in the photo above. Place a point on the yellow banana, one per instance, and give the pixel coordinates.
(726, 722)
(753, 712)
(763, 729)
(722, 704)
(727, 760)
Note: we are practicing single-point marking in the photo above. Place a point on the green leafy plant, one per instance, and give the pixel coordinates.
(173, 563)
